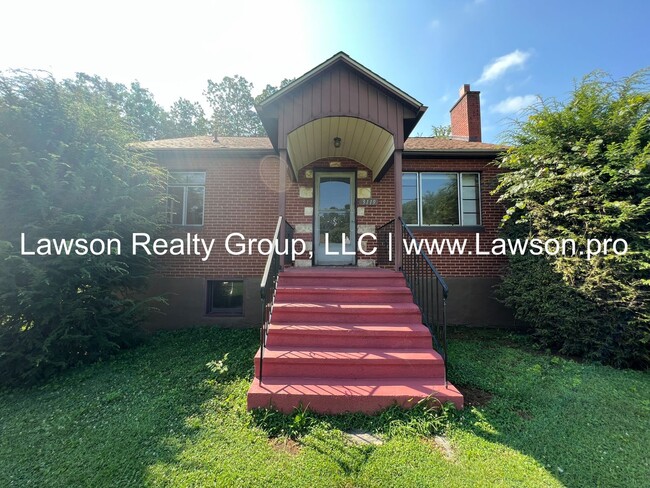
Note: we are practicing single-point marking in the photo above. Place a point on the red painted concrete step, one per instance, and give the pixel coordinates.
(387, 336)
(351, 363)
(340, 271)
(343, 294)
(340, 396)
(365, 313)
(341, 277)
(347, 339)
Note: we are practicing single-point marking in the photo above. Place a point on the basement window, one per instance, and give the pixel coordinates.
(225, 298)
(441, 199)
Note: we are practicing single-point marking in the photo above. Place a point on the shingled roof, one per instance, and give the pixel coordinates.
(429, 144)
(206, 142)
(412, 144)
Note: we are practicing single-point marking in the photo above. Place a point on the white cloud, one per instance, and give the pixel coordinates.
(499, 66)
(514, 104)
(434, 24)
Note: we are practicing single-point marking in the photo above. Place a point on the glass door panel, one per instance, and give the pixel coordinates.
(334, 219)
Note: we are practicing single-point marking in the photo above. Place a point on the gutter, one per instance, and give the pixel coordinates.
(453, 153)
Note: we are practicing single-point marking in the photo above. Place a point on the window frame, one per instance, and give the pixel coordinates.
(209, 302)
(186, 187)
(417, 195)
(479, 217)
(459, 196)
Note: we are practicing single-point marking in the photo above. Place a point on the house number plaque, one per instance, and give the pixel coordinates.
(367, 202)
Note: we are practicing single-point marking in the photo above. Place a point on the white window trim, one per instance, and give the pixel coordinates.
(185, 188)
(479, 217)
(459, 195)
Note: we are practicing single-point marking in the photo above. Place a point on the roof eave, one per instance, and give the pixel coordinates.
(460, 153)
(410, 124)
(207, 150)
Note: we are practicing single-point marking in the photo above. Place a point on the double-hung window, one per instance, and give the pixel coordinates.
(437, 198)
(186, 191)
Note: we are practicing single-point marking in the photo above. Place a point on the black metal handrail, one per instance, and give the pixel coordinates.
(269, 282)
(430, 292)
(385, 237)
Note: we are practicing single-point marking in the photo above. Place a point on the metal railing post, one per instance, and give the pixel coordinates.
(274, 263)
(418, 270)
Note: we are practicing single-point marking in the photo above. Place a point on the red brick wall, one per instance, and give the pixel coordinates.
(491, 213)
(240, 196)
(376, 215)
(466, 116)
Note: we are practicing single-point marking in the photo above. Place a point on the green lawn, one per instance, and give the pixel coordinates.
(157, 415)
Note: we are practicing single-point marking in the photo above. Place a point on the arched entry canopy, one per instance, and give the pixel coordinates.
(342, 137)
(340, 108)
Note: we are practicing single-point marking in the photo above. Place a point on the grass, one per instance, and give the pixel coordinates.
(158, 416)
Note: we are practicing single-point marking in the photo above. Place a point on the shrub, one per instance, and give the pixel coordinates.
(581, 170)
(66, 173)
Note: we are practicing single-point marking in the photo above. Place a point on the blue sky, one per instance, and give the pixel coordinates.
(512, 51)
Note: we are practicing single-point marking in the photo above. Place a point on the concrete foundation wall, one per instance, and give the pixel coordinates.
(186, 305)
(471, 302)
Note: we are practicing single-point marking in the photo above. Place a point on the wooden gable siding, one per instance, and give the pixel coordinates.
(340, 92)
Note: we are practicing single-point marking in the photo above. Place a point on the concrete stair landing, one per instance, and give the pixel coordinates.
(347, 340)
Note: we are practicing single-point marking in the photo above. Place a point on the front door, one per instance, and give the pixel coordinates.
(334, 218)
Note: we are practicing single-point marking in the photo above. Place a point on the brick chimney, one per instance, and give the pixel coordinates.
(466, 115)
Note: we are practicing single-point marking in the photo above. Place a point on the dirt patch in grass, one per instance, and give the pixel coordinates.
(286, 445)
(362, 438)
(475, 397)
(442, 445)
(525, 414)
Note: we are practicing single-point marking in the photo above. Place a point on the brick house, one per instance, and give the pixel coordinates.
(338, 163)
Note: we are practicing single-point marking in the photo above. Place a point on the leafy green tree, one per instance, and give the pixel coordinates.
(187, 119)
(232, 104)
(441, 206)
(148, 120)
(66, 173)
(410, 212)
(136, 105)
(113, 93)
(270, 90)
(581, 170)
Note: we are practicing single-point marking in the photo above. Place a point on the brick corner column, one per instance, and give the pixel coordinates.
(282, 196)
(397, 168)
